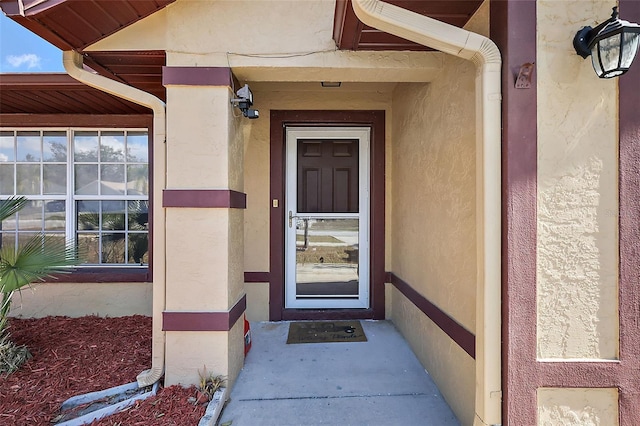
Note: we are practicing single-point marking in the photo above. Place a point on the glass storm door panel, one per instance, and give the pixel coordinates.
(327, 223)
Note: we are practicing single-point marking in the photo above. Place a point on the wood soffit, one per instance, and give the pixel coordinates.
(58, 94)
(351, 34)
(74, 25)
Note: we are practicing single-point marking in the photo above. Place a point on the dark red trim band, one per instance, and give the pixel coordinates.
(513, 29)
(463, 337)
(204, 198)
(196, 76)
(257, 277)
(629, 292)
(204, 321)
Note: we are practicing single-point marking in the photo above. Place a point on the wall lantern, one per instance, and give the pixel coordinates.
(612, 45)
(244, 101)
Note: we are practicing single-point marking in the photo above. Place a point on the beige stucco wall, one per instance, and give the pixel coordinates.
(433, 229)
(204, 262)
(578, 407)
(450, 367)
(80, 299)
(189, 353)
(433, 223)
(577, 249)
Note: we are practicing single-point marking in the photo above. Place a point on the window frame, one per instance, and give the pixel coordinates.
(94, 272)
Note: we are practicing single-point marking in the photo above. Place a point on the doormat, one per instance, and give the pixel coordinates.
(325, 332)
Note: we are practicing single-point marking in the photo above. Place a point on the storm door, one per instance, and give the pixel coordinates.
(327, 217)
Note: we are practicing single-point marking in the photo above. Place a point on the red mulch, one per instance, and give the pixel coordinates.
(73, 356)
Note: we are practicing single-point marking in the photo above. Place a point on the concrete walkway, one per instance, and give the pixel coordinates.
(378, 382)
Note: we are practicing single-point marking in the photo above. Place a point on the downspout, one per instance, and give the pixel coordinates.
(73, 64)
(486, 56)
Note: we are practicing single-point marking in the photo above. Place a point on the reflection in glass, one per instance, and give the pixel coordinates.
(7, 239)
(138, 179)
(6, 147)
(55, 179)
(327, 258)
(6, 179)
(56, 237)
(54, 215)
(112, 179)
(86, 179)
(28, 179)
(113, 215)
(112, 147)
(30, 217)
(88, 215)
(139, 248)
(137, 147)
(89, 246)
(54, 147)
(138, 212)
(10, 223)
(28, 144)
(85, 146)
(113, 246)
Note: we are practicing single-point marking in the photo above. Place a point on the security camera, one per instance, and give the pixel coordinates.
(244, 102)
(251, 113)
(245, 94)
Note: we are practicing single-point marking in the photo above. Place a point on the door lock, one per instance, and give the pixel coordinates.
(290, 218)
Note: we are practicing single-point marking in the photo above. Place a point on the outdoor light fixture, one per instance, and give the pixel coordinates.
(244, 102)
(612, 45)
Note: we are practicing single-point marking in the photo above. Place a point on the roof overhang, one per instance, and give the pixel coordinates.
(77, 24)
(58, 94)
(351, 34)
(74, 25)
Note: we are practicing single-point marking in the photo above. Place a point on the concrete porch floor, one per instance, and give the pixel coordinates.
(378, 382)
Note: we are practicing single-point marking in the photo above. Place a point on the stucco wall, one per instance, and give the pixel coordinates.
(577, 407)
(433, 221)
(80, 299)
(204, 262)
(577, 191)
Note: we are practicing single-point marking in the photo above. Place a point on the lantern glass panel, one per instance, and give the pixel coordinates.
(630, 43)
(610, 52)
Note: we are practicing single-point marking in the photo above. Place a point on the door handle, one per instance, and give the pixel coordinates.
(290, 218)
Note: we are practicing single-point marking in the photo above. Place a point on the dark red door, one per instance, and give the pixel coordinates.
(327, 176)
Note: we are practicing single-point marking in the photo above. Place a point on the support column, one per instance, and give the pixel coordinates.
(204, 204)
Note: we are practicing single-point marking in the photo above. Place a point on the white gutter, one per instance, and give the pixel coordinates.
(486, 56)
(73, 64)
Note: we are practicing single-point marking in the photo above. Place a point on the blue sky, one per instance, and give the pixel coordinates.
(23, 51)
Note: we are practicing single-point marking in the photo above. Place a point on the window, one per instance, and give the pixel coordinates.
(86, 186)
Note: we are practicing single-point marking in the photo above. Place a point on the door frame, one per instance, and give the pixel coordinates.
(281, 119)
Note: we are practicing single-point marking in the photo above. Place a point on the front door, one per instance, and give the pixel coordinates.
(327, 223)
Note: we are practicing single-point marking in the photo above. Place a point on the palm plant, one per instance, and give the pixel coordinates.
(40, 257)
